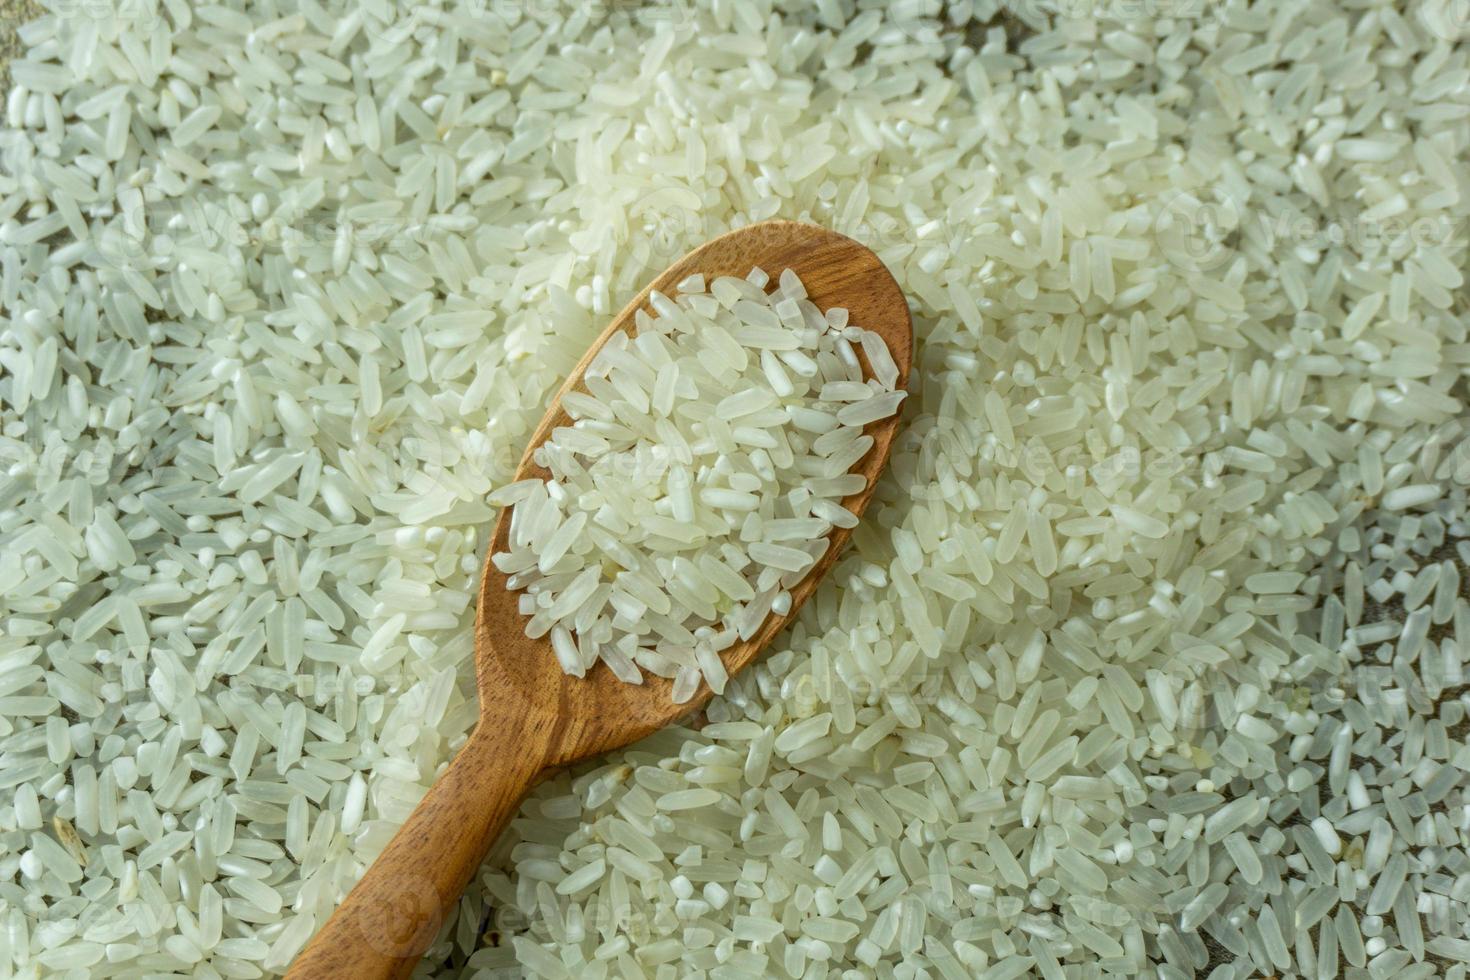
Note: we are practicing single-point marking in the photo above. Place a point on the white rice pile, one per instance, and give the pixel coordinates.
(706, 463)
(1144, 659)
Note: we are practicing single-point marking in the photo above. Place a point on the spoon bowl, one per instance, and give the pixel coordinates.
(535, 718)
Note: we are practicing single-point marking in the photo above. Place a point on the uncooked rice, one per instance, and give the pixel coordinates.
(705, 467)
(285, 287)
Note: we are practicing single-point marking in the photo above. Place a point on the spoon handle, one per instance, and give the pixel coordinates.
(392, 915)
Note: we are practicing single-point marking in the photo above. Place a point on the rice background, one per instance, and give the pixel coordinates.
(549, 845)
(13, 13)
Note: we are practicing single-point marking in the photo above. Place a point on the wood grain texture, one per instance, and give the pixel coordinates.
(533, 717)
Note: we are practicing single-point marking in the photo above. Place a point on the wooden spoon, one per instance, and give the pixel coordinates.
(533, 717)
